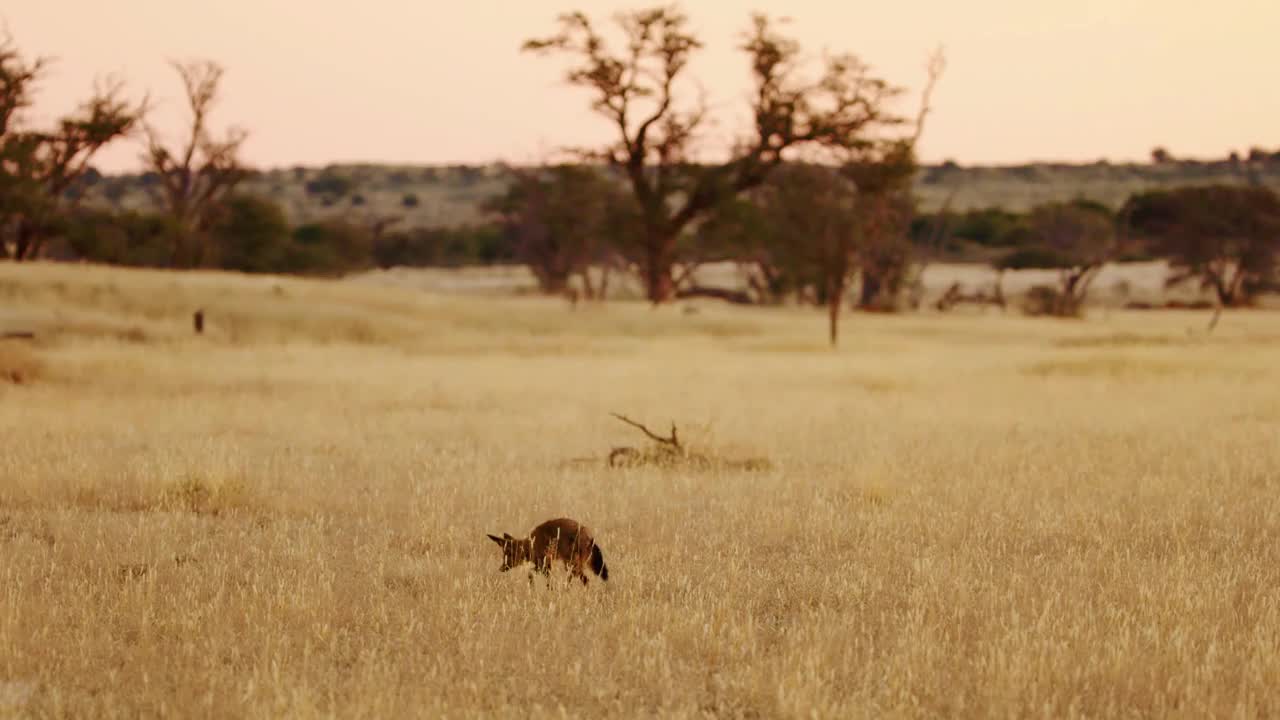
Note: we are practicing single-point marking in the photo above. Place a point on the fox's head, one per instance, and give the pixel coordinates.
(514, 552)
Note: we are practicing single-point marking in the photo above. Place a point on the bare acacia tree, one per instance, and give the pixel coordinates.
(639, 88)
(1227, 236)
(1077, 240)
(38, 168)
(813, 212)
(883, 172)
(16, 79)
(883, 176)
(197, 176)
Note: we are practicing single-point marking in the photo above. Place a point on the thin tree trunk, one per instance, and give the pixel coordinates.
(29, 242)
(1213, 321)
(1236, 287)
(1080, 287)
(754, 283)
(1224, 295)
(22, 241)
(658, 264)
(834, 298)
(605, 268)
(552, 282)
(871, 284)
(658, 284)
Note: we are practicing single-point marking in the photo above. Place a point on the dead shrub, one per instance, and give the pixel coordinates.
(670, 452)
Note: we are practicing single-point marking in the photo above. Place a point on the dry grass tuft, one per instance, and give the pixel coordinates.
(205, 496)
(1134, 368)
(132, 571)
(23, 529)
(669, 459)
(1123, 339)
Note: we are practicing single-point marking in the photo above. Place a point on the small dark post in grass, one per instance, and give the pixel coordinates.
(198, 321)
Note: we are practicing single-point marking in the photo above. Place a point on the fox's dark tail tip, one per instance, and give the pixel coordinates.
(597, 563)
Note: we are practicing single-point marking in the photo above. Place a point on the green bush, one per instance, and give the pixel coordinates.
(328, 248)
(251, 235)
(329, 186)
(447, 247)
(120, 238)
(1031, 258)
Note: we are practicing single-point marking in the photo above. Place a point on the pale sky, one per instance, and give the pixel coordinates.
(421, 81)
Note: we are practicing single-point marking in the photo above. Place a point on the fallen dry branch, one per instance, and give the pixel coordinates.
(955, 295)
(625, 457)
(669, 451)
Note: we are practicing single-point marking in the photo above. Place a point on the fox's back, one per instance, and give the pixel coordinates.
(565, 538)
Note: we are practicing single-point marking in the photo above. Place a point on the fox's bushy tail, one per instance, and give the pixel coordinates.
(597, 563)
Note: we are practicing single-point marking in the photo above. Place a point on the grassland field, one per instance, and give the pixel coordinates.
(964, 515)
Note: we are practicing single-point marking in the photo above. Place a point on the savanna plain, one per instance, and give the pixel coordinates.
(965, 515)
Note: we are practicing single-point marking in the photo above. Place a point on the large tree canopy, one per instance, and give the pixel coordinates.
(1076, 239)
(40, 167)
(198, 175)
(641, 86)
(1227, 236)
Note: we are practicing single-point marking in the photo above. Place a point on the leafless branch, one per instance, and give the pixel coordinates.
(638, 87)
(936, 66)
(202, 171)
(673, 440)
(1213, 321)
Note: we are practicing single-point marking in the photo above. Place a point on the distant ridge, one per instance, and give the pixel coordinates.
(451, 195)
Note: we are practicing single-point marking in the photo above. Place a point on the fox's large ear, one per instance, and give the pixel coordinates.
(497, 539)
(506, 536)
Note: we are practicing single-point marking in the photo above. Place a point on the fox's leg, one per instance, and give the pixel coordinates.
(575, 571)
(569, 576)
(542, 566)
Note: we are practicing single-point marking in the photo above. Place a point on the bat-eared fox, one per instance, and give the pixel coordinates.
(563, 539)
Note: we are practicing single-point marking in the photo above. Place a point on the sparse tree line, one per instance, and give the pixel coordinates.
(813, 200)
(55, 204)
(807, 234)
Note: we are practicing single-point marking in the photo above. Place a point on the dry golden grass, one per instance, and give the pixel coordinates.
(965, 516)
